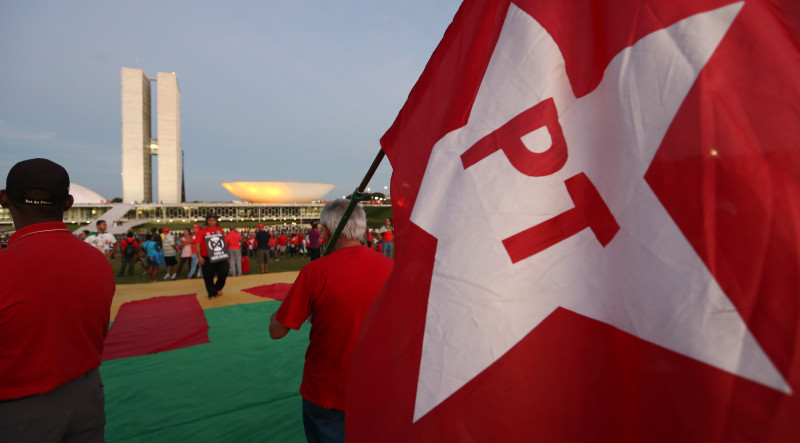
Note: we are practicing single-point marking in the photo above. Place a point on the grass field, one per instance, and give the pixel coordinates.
(241, 387)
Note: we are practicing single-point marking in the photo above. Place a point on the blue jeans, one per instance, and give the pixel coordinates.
(322, 424)
(194, 267)
(387, 248)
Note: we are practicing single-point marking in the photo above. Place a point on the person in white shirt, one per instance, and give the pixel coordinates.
(170, 253)
(102, 240)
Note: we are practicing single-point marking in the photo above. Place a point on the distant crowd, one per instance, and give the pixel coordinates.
(163, 250)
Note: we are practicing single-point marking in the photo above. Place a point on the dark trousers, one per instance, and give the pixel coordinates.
(322, 425)
(127, 261)
(313, 253)
(218, 270)
(72, 412)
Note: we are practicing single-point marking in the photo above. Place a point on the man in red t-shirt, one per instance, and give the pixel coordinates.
(283, 240)
(335, 292)
(54, 314)
(234, 242)
(213, 263)
(387, 235)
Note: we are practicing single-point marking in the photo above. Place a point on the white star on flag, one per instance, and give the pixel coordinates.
(647, 281)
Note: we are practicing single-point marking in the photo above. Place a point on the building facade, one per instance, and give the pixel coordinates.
(138, 143)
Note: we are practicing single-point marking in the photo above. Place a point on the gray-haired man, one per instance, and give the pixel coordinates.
(335, 292)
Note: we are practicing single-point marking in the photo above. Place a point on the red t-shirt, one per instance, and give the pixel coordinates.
(282, 239)
(337, 292)
(196, 240)
(54, 309)
(201, 235)
(234, 240)
(124, 244)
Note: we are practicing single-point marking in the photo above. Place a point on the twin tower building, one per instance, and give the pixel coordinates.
(138, 143)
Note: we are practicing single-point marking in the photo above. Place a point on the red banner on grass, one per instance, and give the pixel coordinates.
(276, 291)
(157, 324)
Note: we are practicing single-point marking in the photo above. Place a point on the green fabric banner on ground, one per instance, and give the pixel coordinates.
(241, 387)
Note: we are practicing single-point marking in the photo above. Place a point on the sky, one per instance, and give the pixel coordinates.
(270, 90)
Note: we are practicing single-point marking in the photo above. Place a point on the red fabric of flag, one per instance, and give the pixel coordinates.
(276, 291)
(597, 210)
(157, 324)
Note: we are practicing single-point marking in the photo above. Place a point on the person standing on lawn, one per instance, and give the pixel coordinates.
(196, 240)
(102, 240)
(129, 249)
(213, 260)
(185, 246)
(262, 247)
(234, 242)
(170, 254)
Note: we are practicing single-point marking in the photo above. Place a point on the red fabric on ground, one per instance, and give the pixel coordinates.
(156, 325)
(277, 291)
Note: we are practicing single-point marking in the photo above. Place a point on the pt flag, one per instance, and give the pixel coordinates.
(597, 207)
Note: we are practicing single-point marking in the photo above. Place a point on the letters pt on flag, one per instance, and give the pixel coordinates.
(598, 216)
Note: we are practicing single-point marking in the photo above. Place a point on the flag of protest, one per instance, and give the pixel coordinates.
(597, 209)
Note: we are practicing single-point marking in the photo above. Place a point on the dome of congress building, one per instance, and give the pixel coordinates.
(84, 195)
(278, 192)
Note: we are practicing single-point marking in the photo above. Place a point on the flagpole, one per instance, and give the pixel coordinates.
(354, 199)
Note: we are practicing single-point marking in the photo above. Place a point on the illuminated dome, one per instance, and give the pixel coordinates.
(278, 192)
(85, 195)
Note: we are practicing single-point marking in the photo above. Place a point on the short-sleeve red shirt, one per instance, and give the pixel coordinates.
(54, 309)
(234, 240)
(196, 240)
(337, 292)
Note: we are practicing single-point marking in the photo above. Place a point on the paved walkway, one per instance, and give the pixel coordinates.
(233, 290)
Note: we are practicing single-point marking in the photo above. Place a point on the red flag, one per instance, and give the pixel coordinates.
(597, 208)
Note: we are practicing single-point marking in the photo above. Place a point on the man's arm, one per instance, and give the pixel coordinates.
(113, 247)
(276, 329)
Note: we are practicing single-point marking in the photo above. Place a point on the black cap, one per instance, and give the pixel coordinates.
(39, 182)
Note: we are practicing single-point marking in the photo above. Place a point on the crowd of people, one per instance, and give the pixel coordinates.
(52, 311)
(164, 253)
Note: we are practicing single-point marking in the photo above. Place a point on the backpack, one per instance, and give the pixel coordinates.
(129, 249)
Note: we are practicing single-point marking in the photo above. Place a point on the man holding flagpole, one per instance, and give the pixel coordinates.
(334, 293)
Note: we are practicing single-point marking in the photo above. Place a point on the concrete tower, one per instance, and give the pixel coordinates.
(137, 182)
(169, 138)
(138, 144)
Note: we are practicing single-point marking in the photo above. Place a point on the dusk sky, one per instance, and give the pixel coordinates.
(270, 90)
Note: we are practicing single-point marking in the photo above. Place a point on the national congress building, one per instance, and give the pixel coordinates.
(271, 202)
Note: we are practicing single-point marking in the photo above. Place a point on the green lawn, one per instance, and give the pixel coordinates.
(241, 387)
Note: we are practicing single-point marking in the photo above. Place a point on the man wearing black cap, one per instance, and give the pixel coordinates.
(213, 256)
(53, 314)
